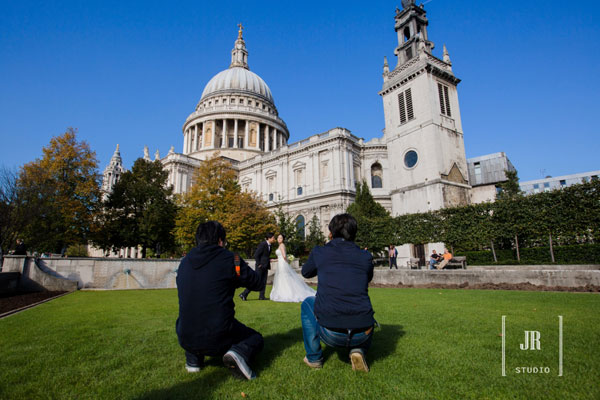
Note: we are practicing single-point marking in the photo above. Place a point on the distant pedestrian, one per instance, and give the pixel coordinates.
(393, 255)
(21, 249)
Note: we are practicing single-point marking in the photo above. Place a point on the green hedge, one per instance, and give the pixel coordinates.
(576, 254)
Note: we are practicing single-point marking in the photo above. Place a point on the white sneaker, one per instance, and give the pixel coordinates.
(359, 363)
(191, 368)
(238, 366)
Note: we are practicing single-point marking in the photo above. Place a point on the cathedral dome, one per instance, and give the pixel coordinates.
(237, 80)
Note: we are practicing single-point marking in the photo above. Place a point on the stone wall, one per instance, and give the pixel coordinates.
(111, 273)
(118, 273)
(571, 277)
(35, 276)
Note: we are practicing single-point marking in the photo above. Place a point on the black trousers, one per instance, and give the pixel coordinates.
(393, 262)
(263, 273)
(243, 340)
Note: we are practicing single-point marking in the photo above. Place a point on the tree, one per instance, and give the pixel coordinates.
(10, 223)
(140, 210)
(376, 228)
(315, 235)
(216, 195)
(510, 188)
(288, 227)
(58, 194)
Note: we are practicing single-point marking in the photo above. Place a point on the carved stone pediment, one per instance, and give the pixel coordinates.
(298, 165)
(455, 175)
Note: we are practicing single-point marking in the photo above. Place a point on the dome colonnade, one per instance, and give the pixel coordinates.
(236, 114)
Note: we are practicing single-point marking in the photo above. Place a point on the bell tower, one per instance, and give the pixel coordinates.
(423, 128)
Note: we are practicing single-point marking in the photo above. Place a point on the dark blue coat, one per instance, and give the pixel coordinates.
(206, 283)
(344, 272)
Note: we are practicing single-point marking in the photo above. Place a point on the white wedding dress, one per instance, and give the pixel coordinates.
(288, 286)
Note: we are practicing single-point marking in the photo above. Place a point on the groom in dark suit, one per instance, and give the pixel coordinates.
(262, 265)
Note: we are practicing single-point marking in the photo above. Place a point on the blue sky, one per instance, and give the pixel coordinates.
(130, 72)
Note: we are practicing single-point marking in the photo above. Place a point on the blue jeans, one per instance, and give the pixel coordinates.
(432, 264)
(313, 333)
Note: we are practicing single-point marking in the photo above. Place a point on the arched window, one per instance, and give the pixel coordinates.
(376, 176)
(300, 224)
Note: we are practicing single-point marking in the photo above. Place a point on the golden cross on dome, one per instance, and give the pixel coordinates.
(240, 31)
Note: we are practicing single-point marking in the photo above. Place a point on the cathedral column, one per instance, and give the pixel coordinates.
(203, 135)
(224, 135)
(246, 134)
(350, 168)
(258, 135)
(185, 139)
(267, 139)
(235, 133)
(196, 137)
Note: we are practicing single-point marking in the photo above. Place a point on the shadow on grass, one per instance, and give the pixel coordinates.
(206, 382)
(384, 343)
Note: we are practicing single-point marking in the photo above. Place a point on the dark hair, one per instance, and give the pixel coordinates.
(269, 235)
(209, 233)
(282, 235)
(343, 226)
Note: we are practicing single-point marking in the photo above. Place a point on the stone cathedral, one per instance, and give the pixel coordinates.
(417, 165)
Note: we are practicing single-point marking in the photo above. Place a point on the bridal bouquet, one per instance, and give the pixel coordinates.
(291, 257)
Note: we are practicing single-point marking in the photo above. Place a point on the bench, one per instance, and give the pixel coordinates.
(457, 262)
(413, 263)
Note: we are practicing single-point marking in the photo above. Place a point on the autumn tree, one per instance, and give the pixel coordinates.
(216, 195)
(58, 194)
(140, 211)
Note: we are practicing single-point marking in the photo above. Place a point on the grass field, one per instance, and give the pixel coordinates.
(432, 344)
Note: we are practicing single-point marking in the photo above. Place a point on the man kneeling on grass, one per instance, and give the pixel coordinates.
(340, 314)
(206, 281)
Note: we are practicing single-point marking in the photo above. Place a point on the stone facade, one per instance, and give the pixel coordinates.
(236, 118)
(419, 163)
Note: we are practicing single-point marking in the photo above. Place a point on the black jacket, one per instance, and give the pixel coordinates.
(206, 282)
(344, 272)
(262, 255)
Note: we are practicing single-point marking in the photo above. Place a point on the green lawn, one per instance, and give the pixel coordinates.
(432, 344)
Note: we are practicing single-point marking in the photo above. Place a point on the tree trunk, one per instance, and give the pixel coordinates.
(494, 252)
(517, 244)
(551, 248)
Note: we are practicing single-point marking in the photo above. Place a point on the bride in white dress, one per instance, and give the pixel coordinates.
(288, 286)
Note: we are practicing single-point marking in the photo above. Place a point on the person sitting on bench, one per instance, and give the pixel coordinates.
(447, 257)
(434, 258)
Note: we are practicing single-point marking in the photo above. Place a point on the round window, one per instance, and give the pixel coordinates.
(410, 158)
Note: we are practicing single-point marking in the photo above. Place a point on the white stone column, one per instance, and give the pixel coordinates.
(184, 141)
(224, 136)
(246, 134)
(336, 168)
(267, 139)
(196, 137)
(203, 135)
(350, 168)
(258, 135)
(235, 133)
